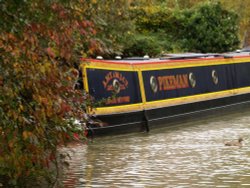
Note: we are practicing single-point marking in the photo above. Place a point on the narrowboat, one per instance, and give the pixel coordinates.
(138, 94)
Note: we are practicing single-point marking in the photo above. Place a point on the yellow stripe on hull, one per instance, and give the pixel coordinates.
(170, 102)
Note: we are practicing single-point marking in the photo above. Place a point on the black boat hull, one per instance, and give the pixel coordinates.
(143, 95)
(144, 121)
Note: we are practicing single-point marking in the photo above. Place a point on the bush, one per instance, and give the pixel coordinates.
(206, 27)
(143, 45)
(37, 98)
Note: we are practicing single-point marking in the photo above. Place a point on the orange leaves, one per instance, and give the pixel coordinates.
(44, 101)
(18, 46)
(11, 37)
(7, 41)
(46, 107)
(34, 27)
(13, 114)
(38, 98)
(17, 68)
(30, 39)
(11, 143)
(53, 35)
(1, 81)
(50, 52)
(65, 108)
(27, 134)
(66, 52)
(86, 24)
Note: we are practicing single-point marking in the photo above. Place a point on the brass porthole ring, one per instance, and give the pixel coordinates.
(215, 77)
(192, 79)
(153, 84)
(116, 86)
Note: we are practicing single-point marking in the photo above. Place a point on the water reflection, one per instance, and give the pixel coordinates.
(190, 155)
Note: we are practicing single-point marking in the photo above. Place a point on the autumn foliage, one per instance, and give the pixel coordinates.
(40, 44)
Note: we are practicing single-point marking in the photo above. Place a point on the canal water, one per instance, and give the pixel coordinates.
(188, 155)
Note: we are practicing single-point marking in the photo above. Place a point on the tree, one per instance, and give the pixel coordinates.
(206, 27)
(113, 24)
(40, 44)
(152, 27)
(241, 7)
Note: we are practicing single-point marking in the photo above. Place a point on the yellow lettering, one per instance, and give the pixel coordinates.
(185, 80)
(112, 75)
(119, 100)
(178, 82)
(160, 82)
(172, 83)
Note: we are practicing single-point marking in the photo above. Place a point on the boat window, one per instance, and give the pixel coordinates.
(153, 84)
(116, 86)
(192, 79)
(215, 77)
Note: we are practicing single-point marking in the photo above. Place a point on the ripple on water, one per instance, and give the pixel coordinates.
(184, 156)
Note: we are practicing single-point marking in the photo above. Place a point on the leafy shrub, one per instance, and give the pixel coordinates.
(206, 27)
(37, 98)
(143, 45)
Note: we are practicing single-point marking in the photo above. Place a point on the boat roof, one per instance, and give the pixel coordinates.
(174, 57)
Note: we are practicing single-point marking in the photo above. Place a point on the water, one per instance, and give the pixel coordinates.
(189, 155)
